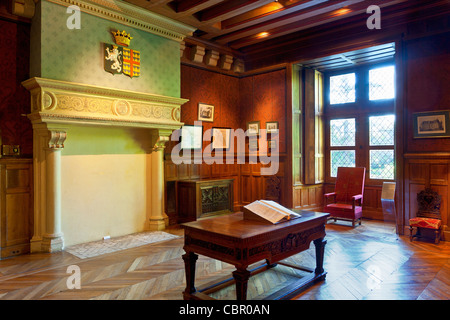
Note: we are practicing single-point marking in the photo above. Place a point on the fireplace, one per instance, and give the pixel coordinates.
(77, 193)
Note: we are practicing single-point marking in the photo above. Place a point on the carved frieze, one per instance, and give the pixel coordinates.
(129, 15)
(58, 101)
(291, 242)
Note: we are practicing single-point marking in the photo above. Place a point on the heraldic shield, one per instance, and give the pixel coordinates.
(113, 58)
(131, 62)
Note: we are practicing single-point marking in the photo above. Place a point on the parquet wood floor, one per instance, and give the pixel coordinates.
(368, 262)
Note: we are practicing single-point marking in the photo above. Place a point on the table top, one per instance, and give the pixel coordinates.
(234, 225)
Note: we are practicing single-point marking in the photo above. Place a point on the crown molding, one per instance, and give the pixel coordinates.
(61, 102)
(132, 16)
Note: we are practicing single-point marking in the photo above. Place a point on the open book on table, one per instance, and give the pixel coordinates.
(268, 211)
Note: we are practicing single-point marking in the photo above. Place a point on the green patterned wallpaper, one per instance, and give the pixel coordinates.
(76, 55)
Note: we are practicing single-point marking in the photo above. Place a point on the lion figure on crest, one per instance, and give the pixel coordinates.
(114, 56)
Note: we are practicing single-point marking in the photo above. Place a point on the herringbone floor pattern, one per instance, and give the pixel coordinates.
(363, 263)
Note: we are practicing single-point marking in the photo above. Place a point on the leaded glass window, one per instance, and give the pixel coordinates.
(341, 158)
(342, 88)
(342, 132)
(382, 164)
(382, 83)
(381, 130)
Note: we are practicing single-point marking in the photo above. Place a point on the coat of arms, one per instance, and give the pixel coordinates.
(121, 59)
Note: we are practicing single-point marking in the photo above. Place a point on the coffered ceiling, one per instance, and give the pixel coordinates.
(239, 24)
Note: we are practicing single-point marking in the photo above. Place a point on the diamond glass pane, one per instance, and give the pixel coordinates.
(381, 130)
(342, 132)
(341, 158)
(342, 88)
(381, 83)
(382, 164)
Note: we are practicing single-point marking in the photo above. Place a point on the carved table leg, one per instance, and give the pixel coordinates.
(320, 250)
(241, 277)
(190, 260)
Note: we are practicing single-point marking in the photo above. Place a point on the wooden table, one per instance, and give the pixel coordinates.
(242, 243)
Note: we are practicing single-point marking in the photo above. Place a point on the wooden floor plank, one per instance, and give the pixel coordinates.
(368, 262)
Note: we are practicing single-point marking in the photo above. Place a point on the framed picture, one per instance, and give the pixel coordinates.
(434, 124)
(191, 137)
(253, 128)
(272, 127)
(205, 112)
(221, 138)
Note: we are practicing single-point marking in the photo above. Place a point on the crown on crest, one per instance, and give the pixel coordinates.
(122, 38)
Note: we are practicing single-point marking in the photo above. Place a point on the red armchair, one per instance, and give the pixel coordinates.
(345, 203)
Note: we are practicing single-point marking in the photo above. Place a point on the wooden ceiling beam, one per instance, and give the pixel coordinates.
(305, 22)
(323, 10)
(229, 9)
(262, 14)
(193, 6)
(269, 11)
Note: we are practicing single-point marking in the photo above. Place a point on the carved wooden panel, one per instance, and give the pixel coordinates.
(16, 203)
(204, 197)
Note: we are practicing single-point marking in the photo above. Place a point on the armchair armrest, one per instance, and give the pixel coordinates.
(329, 195)
(355, 198)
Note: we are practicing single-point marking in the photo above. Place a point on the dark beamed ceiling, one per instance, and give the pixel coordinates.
(238, 24)
(256, 28)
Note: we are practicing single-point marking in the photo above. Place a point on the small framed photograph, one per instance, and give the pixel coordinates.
(253, 128)
(272, 127)
(191, 137)
(434, 124)
(205, 112)
(221, 138)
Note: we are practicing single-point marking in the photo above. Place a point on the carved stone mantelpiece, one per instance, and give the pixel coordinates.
(57, 104)
(63, 102)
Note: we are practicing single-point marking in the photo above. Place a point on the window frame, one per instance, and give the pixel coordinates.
(361, 110)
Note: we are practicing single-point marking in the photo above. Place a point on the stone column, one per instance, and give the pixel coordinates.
(52, 239)
(158, 219)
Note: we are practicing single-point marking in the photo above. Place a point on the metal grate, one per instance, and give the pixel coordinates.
(342, 88)
(341, 158)
(342, 132)
(382, 83)
(381, 130)
(382, 164)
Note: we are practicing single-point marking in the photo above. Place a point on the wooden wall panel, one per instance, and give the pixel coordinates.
(428, 75)
(15, 129)
(259, 97)
(424, 170)
(308, 197)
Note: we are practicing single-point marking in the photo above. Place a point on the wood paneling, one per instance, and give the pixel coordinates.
(15, 129)
(16, 214)
(428, 75)
(427, 170)
(256, 97)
